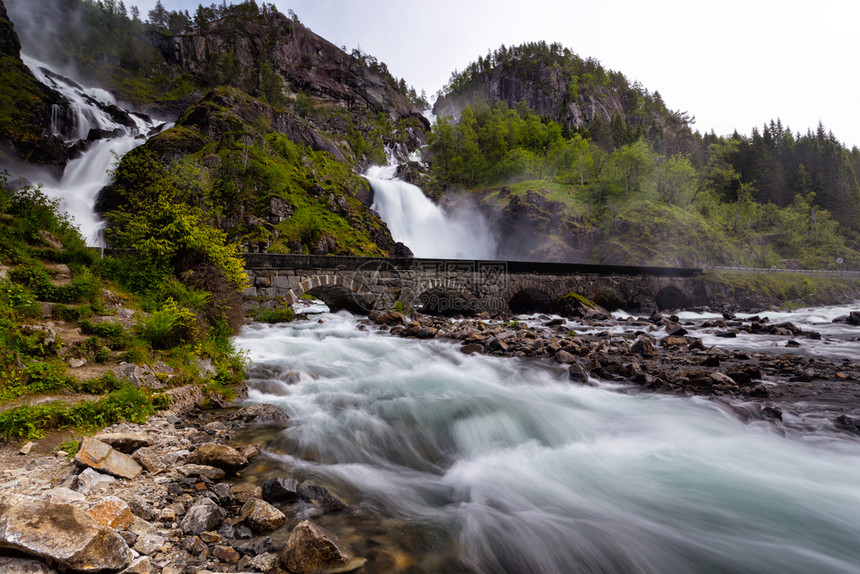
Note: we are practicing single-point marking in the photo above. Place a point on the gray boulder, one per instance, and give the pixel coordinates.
(60, 533)
(97, 455)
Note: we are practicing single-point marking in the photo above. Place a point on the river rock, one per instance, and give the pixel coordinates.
(204, 515)
(320, 496)
(24, 566)
(260, 414)
(564, 357)
(97, 455)
(201, 471)
(262, 516)
(578, 373)
(472, 348)
(312, 548)
(281, 490)
(220, 456)
(60, 533)
(644, 346)
(126, 442)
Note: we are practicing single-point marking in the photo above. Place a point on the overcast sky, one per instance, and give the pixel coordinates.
(732, 64)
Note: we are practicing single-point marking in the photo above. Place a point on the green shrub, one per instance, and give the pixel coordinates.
(280, 314)
(170, 326)
(111, 331)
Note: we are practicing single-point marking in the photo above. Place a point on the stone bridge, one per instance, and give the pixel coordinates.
(453, 286)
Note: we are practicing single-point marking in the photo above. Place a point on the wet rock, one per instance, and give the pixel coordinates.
(311, 548)
(260, 414)
(220, 456)
(644, 346)
(670, 342)
(60, 533)
(320, 496)
(792, 343)
(472, 348)
(497, 345)
(126, 442)
(204, 515)
(281, 490)
(848, 424)
(578, 373)
(263, 562)
(256, 547)
(759, 390)
(97, 455)
(262, 516)
(564, 358)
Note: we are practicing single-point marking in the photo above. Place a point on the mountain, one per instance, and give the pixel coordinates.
(578, 94)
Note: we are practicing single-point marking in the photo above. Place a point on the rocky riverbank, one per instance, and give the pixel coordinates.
(660, 353)
(165, 497)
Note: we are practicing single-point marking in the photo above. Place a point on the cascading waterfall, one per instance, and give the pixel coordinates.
(423, 226)
(78, 188)
(483, 464)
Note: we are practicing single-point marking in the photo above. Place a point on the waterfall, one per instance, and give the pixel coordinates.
(423, 226)
(84, 176)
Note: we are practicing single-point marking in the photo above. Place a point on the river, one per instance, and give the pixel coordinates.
(483, 464)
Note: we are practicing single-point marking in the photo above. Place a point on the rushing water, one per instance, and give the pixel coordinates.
(423, 226)
(83, 178)
(502, 465)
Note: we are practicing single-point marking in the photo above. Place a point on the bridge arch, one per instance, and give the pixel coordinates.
(336, 291)
(443, 297)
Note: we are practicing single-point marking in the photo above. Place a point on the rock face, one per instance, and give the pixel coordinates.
(99, 456)
(306, 61)
(60, 533)
(25, 126)
(575, 93)
(531, 227)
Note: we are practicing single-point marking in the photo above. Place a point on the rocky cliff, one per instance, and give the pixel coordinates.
(25, 107)
(579, 94)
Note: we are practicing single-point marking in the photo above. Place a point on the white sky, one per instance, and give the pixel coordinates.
(732, 64)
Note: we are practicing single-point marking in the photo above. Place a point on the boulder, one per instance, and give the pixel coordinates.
(262, 516)
(471, 348)
(90, 481)
(260, 414)
(564, 358)
(204, 515)
(312, 548)
(24, 566)
(281, 490)
(201, 471)
(126, 442)
(61, 534)
(220, 456)
(578, 373)
(97, 455)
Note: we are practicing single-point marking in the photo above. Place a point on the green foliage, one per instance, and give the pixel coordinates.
(159, 226)
(112, 332)
(170, 326)
(280, 314)
(70, 447)
(399, 307)
(127, 403)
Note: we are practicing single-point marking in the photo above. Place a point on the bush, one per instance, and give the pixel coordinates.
(111, 331)
(169, 327)
(281, 314)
